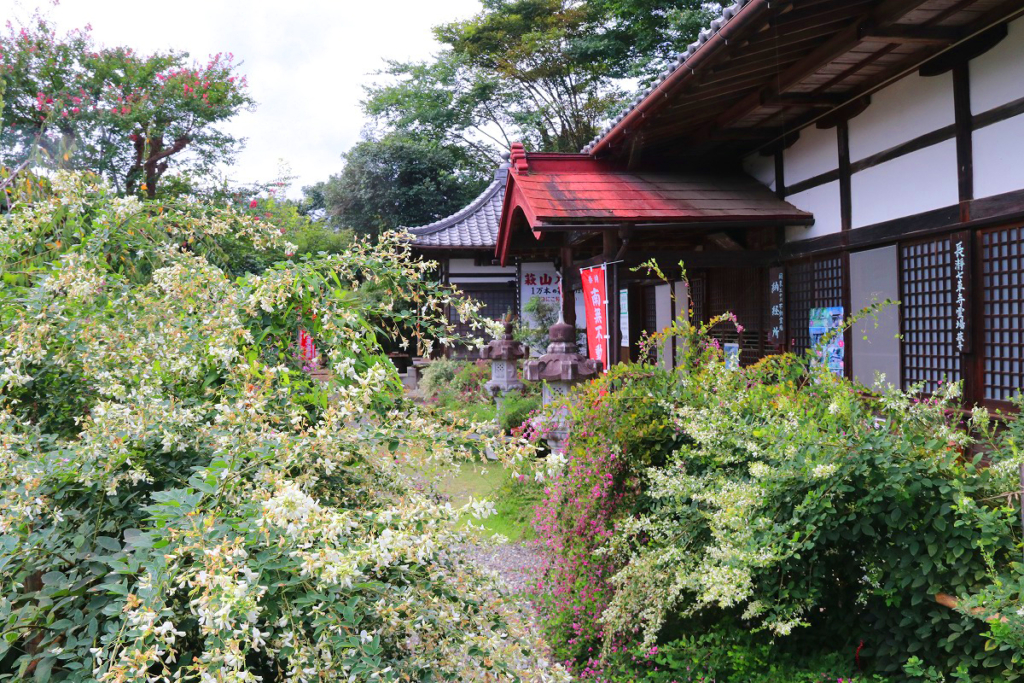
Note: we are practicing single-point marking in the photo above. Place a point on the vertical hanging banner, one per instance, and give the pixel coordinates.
(595, 300)
(307, 348)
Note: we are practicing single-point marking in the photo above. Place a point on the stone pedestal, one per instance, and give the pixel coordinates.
(560, 368)
(504, 355)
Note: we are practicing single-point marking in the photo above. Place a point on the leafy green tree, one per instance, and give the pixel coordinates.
(545, 72)
(400, 180)
(131, 118)
(640, 38)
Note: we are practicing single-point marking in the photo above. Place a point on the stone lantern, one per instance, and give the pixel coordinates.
(560, 368)
(504, 355)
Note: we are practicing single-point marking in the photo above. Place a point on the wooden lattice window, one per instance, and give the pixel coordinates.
(697, 294)
(811, 284)
(742, 292)
(650, 299)
(1002, 259)
(497, 301)
(928, 321)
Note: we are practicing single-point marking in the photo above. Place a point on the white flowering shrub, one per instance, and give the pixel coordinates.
(783, 512)
(180, 501)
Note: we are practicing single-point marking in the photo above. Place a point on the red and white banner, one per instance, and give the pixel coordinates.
(307, 348)
(595, 299)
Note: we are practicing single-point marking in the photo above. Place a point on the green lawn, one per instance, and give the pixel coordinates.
(513, 500)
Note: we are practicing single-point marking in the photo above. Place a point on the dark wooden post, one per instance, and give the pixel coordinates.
(610, 249)
(568, 296)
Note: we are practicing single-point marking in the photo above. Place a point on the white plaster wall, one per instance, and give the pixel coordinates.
(816, 152)
(911, 184)
(663, 317)
(762, 169)
(999, 157)
(466, 265)
(581, 309)
(905, 110)
(682, 310)
(823, 202)
(997, 77)
(875, 349)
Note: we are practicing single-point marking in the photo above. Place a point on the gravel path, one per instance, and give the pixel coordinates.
(518, 564)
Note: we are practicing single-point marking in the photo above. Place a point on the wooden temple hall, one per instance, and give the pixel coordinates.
(805, 158)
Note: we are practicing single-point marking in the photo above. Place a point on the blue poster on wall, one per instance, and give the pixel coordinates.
(831, 353)
(732, 356)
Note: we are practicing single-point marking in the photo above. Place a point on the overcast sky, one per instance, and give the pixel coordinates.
(306, 61)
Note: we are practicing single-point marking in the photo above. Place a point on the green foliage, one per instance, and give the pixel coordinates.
(438, 376)
(781, 499)
(641, 38)
(400, 180)
(516, 408)
(729, 655)
(543, 72)
(535, 336)
(513, 507)
(180, 501)
(72, 104)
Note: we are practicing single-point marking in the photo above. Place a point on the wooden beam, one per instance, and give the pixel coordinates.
(966, 51)
(802, 99)
(668, 259)
(568, 298)
(613, 228)
(780, 174)
(845, 177)
(912, 35)
(811, 183)
(986, 212)
(998, 114)
(610, 247)
(884, 14)
(964, 136)
(723, 242)
(752, 134)
(844, 113)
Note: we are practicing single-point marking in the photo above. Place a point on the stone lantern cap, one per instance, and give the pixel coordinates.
(563, 361)
(505, 348)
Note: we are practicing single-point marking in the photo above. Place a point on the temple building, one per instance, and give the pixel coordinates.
(803, 159)
(463, 245)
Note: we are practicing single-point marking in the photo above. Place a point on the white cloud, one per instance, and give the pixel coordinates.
(306, 61)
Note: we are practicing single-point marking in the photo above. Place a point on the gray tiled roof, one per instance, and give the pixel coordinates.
(727, 14)
(475, 226)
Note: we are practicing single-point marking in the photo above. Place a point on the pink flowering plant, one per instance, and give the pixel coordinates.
(71, 103)
(824, 530)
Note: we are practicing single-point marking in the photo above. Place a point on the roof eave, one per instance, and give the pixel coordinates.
(686, 68)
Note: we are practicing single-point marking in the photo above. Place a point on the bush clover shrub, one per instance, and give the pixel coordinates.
(779, 499)
(203, 510)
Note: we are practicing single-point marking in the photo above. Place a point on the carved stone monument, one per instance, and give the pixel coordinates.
(560, 368)
(504, 355)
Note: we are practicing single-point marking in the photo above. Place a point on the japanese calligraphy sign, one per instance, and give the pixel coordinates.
(960, 243)
(540, 280)
(595, 300)
(777, 305)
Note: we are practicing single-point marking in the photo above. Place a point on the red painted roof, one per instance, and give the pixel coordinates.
(565, 189)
